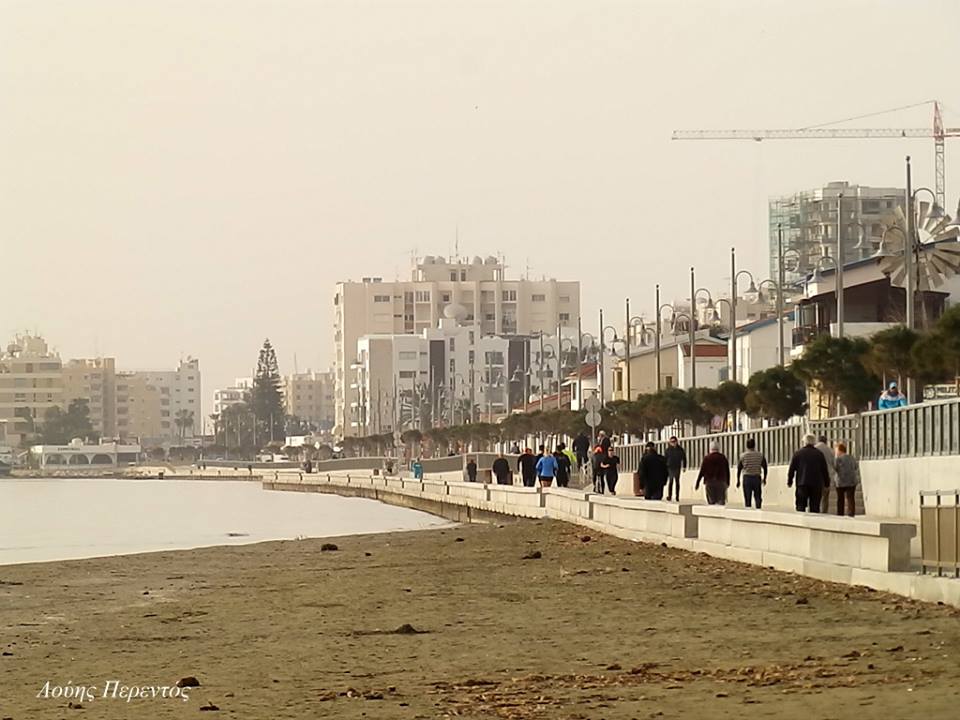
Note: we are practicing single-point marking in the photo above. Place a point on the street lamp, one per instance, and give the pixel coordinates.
(603, 335)
(658, 332)
(734, 278)
(633, 322)
(694, 293)
(580, 355)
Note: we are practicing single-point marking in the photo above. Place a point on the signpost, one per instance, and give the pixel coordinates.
(592, 405)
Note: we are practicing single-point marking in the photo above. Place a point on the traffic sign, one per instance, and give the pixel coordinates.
(592, 404)
(593, 418)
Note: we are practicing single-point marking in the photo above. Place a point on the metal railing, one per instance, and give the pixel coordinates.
(940, 531)
(929, 428)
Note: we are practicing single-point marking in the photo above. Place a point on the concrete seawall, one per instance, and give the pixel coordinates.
(873, 552)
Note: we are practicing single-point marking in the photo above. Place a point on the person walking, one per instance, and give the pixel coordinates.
(752, 464)
(563, 466)
(824, 447)
(891, 398)
(809, 467)
(571, 458)
(581, 448)
(610, 465)
(527, 467)
(501, 471)
(715, 474)
(598, 471)
(546, 469)
(676, 458)
(653, 472)
(471, 470)
(848, 477)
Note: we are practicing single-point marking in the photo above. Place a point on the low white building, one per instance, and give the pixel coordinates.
(757, 346)
(105, 454)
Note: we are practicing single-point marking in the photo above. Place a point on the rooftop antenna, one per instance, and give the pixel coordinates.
(456, 242)
(294, 363)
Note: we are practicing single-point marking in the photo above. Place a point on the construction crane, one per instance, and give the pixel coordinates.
(820, 132)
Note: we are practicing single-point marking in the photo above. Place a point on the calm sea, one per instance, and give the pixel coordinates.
(63, 519)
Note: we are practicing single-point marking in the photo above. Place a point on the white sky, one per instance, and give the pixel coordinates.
(191, 176)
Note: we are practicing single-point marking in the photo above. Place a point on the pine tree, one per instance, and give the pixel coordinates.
(267, 396)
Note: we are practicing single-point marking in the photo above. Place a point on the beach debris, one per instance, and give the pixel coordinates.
(585, 538)
(239, 534)
(208, 706)
(459, 539)
(802, 601)
(74, 706)
(7, 653)
(533, 555)
(328, 547)
(188, 681)
(405, 629)
(368, 554)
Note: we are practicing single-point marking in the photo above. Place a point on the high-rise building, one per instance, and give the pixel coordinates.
(808, 221)
(93, 380)
(309, 396)
(160, 406)
(31, 382)
(492, 305)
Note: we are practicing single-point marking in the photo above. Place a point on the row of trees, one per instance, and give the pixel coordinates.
(847, 371)
(850, 371)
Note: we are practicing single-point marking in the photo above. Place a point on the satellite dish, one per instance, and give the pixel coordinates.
(939, 246)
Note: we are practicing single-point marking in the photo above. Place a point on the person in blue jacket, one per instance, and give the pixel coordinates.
(891, 398)
(546, 469)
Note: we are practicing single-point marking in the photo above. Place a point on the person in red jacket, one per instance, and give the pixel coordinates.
(715, 474)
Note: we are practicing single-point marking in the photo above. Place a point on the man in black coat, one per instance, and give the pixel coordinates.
(501, 471)
(653, 473)
(809, 467)
(527, 466)
(581, 448)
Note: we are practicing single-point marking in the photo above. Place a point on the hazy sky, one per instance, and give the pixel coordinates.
(190, 177)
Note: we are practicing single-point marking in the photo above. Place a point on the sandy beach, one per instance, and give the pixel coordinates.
(594, 627)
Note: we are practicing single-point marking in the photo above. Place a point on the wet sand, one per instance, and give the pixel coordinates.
(601, 628)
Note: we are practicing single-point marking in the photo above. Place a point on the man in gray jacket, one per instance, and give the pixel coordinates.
(827, 452)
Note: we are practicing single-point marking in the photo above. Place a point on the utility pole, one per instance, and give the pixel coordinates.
(656, 340)
(628, 328)
(908, 248)
(780, 292)
(733, 314)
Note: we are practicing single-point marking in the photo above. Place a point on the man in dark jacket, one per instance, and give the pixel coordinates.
(581, 447)
(809, 467)
(501, 471)
(676, 458)
(471, 470)
(715, 473)
(562, 473)
(527, 466)
(653, 472)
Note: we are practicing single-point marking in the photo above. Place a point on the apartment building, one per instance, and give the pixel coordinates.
(31, 382)
(149, 403)
(493, 306)
(93, 380)
(234, 395)
(808, 222)
(309, 396)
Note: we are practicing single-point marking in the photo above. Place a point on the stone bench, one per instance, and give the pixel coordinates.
(791, 540)
(646, 519)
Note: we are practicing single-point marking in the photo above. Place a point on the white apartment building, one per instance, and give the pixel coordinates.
(234, 395)
(493, 306)
(31, 382)
(149, 401)
(448, 376)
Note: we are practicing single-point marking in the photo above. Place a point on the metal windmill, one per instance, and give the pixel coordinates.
(937, 251)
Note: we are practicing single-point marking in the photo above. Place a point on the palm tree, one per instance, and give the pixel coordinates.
(183, 420)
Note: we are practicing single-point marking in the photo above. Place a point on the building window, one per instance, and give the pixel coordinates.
(489, 316)
(470, 337)
(408, 374)
(564, 298)
(453, 344)
(564, 317)
(381, 298)
(509, 296)
(409, 355)
(463, 274)
(423, 296)
(453, 366)
(471, 357)
(538, 297)
(668, 381)
(445, 297)
(453, 275)
(493, 357)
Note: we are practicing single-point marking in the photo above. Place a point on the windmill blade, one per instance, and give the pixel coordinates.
(921, 213)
